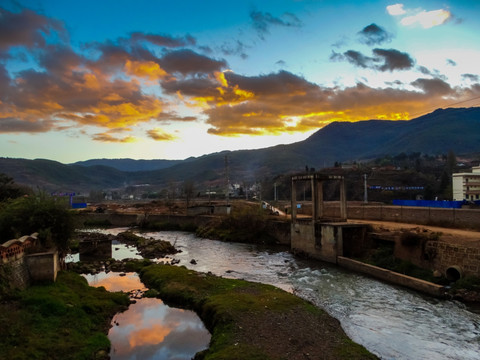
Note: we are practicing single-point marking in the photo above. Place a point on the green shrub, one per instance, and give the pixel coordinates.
(41, 213)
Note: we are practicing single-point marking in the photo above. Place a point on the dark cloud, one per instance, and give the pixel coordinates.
(263, 21)
(436, 87)
(393, 60)
(451, 62)
(204, 86)
(112, 57)
(374, 35)
(238, 48)
(358, 59)
(11, 125)
(189, 62)
(282, 82)
(382, 60)
(424, 70)
(26, 29)
(171, 116)
(4, 82)
(471, 77)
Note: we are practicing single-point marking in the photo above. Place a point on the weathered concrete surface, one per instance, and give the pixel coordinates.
(43, 266)
(326, 241)
(393, 277)
(469, 218)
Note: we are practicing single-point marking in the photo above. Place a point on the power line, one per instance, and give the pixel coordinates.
(446, 105)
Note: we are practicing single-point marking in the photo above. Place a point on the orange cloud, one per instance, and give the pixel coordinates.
(160, 135)
(106, 137)
(145, 69)
(149, 336)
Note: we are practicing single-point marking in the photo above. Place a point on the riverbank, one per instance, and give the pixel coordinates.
(251, 320)
(63, 320)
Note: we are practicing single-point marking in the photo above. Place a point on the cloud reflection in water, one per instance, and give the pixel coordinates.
(149, 329)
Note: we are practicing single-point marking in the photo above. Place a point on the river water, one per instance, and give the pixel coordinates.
(391, 322)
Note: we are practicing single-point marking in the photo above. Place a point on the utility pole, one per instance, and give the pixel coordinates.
(365, 195)
(227, 180)
(275, 191)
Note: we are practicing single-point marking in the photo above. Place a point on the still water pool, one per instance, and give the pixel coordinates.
(149, 329)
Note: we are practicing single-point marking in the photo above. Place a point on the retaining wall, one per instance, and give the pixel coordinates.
(392, 277)
(16, 273)
(43, 266)
(409, 214)
(447, 255)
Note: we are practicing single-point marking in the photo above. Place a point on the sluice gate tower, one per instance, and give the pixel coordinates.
(312, 233)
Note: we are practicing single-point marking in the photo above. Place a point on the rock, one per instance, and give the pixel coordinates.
(102, 354)
(193, 262)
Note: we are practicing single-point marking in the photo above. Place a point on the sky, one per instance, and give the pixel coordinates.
(174, 79)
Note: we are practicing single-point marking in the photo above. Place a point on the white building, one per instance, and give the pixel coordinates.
(466, 186)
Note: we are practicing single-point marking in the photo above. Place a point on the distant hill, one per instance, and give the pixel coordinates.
(456, 129)
(130, 164)
(54, 176)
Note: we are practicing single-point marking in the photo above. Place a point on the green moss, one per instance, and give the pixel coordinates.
(64, 320)
(231, 310)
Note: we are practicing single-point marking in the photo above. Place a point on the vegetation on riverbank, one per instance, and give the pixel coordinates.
(63, 320)
(251, 320)
(245, 225)
(384, 257)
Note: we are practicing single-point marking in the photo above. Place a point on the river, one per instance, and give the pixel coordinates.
(390, 321)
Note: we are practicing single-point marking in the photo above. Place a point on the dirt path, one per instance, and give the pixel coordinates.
(454, 236)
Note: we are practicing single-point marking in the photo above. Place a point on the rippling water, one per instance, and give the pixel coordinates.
(392, 322)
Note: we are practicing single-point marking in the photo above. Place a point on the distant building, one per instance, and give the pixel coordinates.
(466, 186)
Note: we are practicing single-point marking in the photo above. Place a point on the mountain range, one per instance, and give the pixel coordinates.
(456, 129)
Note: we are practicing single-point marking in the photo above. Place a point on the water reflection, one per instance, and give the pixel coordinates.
(114, 282)
(149, 329)
(152, 330)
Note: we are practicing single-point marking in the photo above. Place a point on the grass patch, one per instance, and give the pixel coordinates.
(252, 320)
(63, 320)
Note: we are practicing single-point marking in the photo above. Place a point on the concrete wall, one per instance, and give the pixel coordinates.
(409, 214)
(392, 277)
(446, 256)
(43, 266)
(16, 273)
(303, 239)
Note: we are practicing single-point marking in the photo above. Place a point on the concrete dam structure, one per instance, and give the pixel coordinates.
(320, 237)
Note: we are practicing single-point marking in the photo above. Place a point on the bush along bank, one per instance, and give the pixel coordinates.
(67, 319)
(252, 320)
(244, 226)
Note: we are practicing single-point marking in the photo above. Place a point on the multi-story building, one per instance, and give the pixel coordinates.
(466, 186)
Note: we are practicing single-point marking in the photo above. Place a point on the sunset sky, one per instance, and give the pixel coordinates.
(174, 79)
